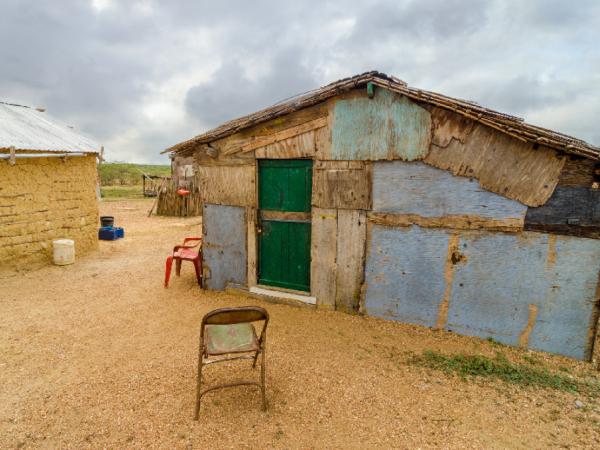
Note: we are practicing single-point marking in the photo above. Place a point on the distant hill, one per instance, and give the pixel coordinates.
(125, 174)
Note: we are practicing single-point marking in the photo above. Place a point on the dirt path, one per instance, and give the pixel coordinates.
(99, 354)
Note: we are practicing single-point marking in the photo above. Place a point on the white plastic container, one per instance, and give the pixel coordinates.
(64, 251)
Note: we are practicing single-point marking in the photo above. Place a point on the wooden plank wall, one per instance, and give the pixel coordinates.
(228, 185)
(183, 170)
(351, 241)
(337, 257)
(502, 164)
(574, 207)
(323, 254)
(342, 184)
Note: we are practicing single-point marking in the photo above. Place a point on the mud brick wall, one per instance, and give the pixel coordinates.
(42, 199)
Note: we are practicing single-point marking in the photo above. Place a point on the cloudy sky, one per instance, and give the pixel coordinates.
(139, 76)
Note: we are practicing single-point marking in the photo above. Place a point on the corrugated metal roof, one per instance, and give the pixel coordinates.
(29, 129)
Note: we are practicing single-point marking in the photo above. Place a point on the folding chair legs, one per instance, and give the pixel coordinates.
(261, 385)
(198, 388)
(262, 381)
(168, 266)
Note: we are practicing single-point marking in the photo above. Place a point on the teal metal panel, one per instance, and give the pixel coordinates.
(388, 126)
(416, 188)
(224, 245)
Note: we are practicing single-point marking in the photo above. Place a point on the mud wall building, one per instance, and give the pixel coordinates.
(48, 182)
(372, 197)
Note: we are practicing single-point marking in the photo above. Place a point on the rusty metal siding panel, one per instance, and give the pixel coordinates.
(389, 126)
(224, 247)
(416, 188)
(405, 273)
(531, 289)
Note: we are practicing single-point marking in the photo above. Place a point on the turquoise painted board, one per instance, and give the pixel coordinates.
(509, 287)
(405, 273)
(416, 188)
(224, 245)
(389, 126)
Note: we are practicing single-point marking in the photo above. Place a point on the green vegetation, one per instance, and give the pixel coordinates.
(125, 174)
(121, 192)
(501, 368)
(121, 181)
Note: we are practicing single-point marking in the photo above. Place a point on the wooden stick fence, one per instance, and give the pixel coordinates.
(170, 203)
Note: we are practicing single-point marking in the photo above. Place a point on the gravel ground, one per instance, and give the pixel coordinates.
(100, 355)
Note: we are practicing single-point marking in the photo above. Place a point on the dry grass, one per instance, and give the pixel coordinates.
(100, 355)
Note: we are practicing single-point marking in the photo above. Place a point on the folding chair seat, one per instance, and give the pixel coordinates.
(236, 338)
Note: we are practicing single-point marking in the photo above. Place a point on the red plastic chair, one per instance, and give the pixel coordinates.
(185, 252)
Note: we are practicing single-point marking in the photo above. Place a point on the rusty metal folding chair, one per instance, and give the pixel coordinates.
(228, 334)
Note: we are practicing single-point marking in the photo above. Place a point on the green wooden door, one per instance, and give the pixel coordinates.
(284, 201)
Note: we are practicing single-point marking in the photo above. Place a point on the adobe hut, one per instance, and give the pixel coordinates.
(48, 183)
(372, 197)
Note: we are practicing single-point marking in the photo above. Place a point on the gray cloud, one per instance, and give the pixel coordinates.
(142, 75)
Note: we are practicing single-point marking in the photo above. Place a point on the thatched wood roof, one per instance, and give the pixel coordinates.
(511, 125)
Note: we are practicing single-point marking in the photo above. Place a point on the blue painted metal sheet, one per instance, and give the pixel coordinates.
(416, 188)
(224, 246)
(571, 283)
(389, 126)
(405, 273)
(504, 274)
(492, 287)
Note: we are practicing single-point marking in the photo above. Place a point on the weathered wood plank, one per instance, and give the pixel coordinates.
(323, 256)
(224, 256)
(300, 146)
(253, 142)
(454, 222)
(228, 185)
(183, 169)
(336, 185)
(234, 141)
(252, 247)
(572, 210)
(351, 238)
(389, 126)
(577, 171)
(293, 216)
(415, 188)
(502, 164)
(203, 157)
(594, 330)
(448, 125)
(323, 140)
